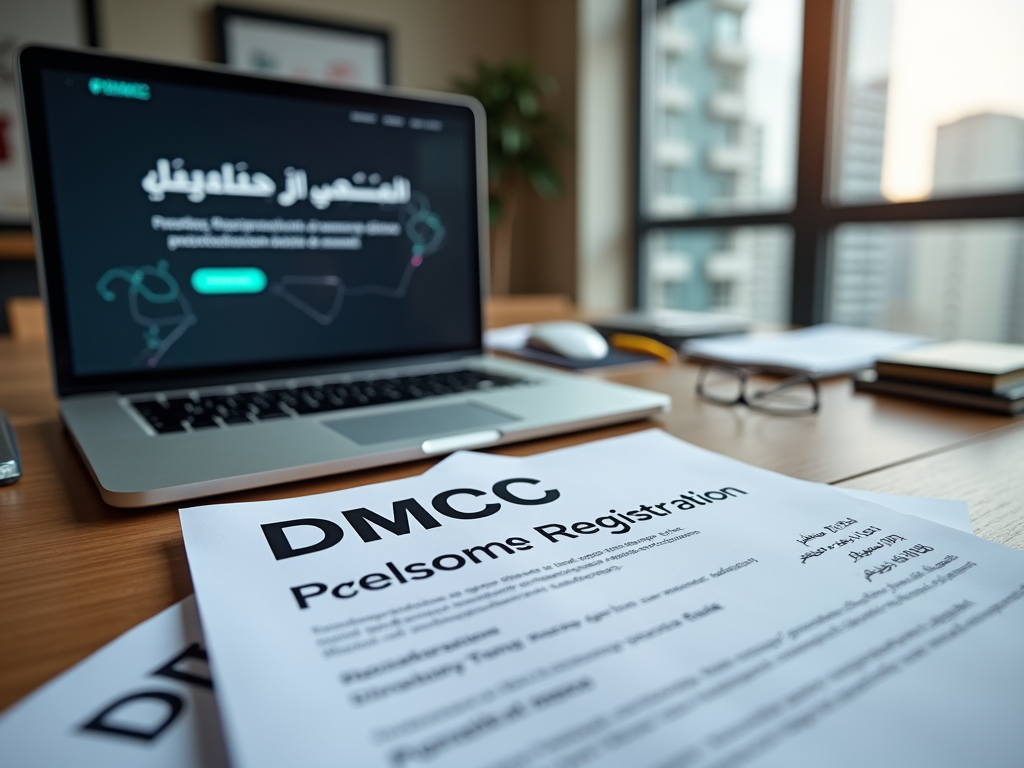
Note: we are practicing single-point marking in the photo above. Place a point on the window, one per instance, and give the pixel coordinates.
(727, 26)
(930, 100)
(735, 270)
(899, 206)
(947, 279)
(674, 69)
(731, 148)
(673, 127)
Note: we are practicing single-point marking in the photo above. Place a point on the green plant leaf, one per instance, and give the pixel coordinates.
(544, 179)
(512, 138)
(520, 133)
(526, 99)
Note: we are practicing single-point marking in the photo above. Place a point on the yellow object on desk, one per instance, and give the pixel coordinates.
(631, 342)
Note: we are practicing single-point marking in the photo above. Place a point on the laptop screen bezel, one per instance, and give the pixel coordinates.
(34, 60)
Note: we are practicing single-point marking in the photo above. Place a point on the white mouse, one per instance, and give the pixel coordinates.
(576, 341)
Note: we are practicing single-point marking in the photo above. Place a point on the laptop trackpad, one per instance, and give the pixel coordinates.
(421, 422)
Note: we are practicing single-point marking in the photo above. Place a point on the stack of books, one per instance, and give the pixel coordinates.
(974, 374)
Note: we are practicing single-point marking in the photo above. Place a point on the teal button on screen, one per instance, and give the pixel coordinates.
(214, 280)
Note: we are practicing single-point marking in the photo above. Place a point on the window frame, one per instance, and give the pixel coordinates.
(813, 217)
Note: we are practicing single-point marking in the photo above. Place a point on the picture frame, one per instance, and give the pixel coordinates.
(67, 23)
(301, 48)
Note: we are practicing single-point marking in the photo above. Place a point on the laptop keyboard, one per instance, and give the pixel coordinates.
(248, 407)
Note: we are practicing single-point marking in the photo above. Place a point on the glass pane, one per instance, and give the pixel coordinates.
(721, 82)
(932, 103)
(948, 280)
(737, 271)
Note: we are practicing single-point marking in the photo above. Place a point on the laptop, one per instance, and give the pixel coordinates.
(252, 281)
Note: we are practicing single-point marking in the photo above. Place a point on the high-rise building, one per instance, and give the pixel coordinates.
(866, 260)
(862, 141)
(701, 150)
(704, 155)
(967, 277)
(979, 154)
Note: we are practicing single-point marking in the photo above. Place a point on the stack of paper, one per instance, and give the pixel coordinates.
(633, 599)
(821, 350)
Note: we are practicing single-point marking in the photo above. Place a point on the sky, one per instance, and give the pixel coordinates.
(948, 59)
(773, 35)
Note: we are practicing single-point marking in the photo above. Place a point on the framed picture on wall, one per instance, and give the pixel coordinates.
(70, 23)
(301, 48)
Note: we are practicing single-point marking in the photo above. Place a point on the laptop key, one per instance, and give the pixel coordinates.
(160, 417)
(278, 414)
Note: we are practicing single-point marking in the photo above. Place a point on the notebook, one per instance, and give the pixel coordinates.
(981, 365)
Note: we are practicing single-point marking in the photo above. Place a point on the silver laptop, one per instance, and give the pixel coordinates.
(252, 281)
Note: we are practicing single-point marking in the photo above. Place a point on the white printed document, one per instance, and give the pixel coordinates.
(146, 699)
(635, 599)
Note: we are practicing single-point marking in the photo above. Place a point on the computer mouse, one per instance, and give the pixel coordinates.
(576, 341)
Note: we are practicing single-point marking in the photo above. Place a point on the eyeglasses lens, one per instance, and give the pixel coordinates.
(722, 385)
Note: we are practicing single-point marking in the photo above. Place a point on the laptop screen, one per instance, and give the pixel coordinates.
(204, 227)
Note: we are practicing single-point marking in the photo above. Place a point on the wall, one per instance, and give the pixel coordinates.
(549, 263)
(432, 42)
(605, 154)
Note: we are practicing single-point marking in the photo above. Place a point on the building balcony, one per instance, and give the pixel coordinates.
(673, 40)
(675, 98)
(736, 6)
(728, 159)
(727, 266)
(670, 206)
(669, 267)
(673, 153)
(729, 54)
(725, 105)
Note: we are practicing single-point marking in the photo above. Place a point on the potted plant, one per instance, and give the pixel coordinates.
(520, 135)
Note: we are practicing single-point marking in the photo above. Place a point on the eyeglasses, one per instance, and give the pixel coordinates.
(728, 385)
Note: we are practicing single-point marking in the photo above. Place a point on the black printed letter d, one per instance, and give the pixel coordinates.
(282, 548)
(103, 723)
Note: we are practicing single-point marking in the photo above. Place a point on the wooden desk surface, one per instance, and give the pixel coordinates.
(75, 573)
